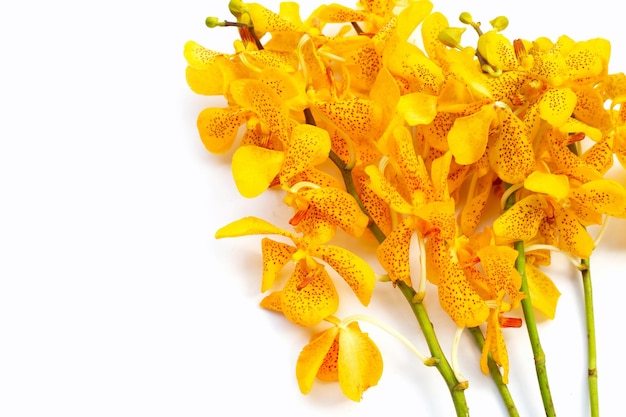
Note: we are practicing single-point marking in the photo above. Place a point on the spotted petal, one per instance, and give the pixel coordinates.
(264, 101)
(406, 61)
(393, 253)
(497, 50)
(309, 295)
(412, 167)
(521, 221)
(339, 208)
(355, 271)
(572, 236)
(604, 196)
(275, 256)
(511, 155)
(557, 105)
(433, 24)
(498, 263)
(357, 118)
(265, 20)
(589, 58)
(199, 57)
(218, 127)
(385, 190)
(308, 146)
(459, 299)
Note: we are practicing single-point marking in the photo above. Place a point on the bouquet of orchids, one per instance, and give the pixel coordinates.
(410, 148)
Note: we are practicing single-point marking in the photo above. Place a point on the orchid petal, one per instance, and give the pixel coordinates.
(309, 295)
(254, 168)
(360, 362)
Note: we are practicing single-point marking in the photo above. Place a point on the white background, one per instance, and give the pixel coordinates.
(115, 300)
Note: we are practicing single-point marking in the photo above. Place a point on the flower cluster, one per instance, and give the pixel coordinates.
(422, 141)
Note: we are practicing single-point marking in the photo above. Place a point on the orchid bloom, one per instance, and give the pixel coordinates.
(427, 206)
(309, 295)
(319, 210)
(341, 353)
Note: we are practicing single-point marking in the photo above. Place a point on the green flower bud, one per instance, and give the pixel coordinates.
(451, 37)
(236, 7)
(466, 18)
(213, 21)
(500, 23)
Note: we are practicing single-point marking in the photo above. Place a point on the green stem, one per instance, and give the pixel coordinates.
(592, 370)
(531, 325)
(591, 340)
(494, 371)
(457, 390)
(533, 334)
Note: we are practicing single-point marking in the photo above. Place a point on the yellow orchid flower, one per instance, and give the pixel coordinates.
(497, 282)
(309, 295)
(253, 99)
(569, 209)
(428, 208)
(522, 222)
(341, 353)
(320, 210)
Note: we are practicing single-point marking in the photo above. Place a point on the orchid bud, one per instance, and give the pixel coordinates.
(451, 37)
(499, 23)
